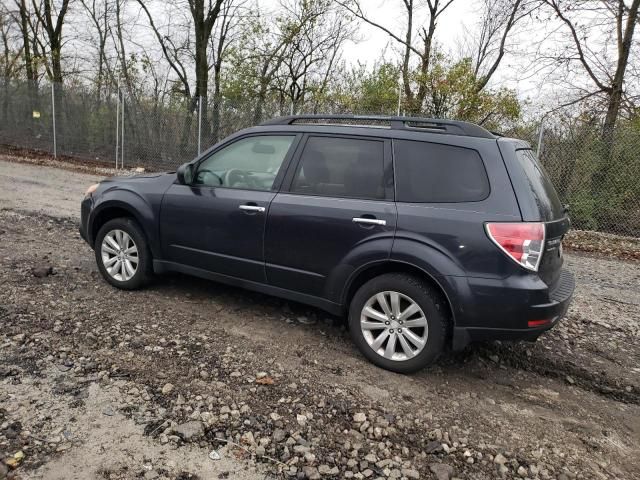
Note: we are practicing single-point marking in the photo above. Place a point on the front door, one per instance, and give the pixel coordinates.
(217, 223)
(337, 215)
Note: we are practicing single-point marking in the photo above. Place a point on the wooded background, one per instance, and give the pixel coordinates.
(195, 69)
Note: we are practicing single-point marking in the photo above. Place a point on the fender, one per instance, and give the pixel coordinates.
(369, 251)
(435, 262)
(135, 204)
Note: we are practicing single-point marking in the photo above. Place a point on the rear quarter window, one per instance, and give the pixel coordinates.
(434, 173)
(543, 193)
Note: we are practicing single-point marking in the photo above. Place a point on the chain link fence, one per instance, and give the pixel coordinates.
(598, 177)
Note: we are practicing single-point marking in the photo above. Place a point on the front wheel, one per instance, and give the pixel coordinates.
(398, 322)
(122, 254)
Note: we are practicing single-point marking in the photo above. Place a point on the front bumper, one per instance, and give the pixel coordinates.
(85, 209)
(512, 323)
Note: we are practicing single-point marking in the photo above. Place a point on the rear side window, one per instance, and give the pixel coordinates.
(434, 173)
(341, 167)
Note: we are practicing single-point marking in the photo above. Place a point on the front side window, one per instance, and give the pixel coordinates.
(341, 167)
(250, 163)
(436, 173)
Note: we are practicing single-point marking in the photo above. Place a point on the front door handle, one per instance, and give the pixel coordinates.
(252, 208)
(370, 221)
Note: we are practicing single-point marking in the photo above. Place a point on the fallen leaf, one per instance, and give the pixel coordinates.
(265, 381)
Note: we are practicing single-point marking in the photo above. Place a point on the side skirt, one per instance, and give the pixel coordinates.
(162, 266)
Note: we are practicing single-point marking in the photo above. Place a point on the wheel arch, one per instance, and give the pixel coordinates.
(363, 275)
(110, 210)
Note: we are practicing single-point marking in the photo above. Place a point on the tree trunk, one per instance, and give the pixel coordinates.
(601, 175)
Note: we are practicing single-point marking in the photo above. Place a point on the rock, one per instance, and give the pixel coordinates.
(302, 420)
(410, 473)
(442, 471)
(279, 435)
(261, 374)
(275, 417)
(167, 389)
(260, 450)
(434, 447)
(306, 320)
(247, 438)
(500, 459)
(42, 272)
(139, 170)
(570, 380)
(214, 455)
(189, 431)
(359, 417)
(522, 471)
(4, 471)
(311, 473)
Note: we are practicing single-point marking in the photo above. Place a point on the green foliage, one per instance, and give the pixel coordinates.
(453, 93)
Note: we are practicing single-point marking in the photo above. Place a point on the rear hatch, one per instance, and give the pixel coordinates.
(539, 202)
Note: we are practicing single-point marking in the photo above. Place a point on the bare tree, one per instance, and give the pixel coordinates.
(223, 36)
(311, 54)
(100, 13)
(498, 19)
(202, 19)
(51, 17)
(590, 52)
(607, 78)
(418, 40)
(10, 49)
(25, 32)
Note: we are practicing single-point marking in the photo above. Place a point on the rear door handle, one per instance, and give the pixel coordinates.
(252, 208)
(370, 221)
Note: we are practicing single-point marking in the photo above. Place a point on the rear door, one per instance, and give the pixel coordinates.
(338, 214)
(539, 202)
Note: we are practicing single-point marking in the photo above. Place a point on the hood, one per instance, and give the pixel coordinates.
(140, 178)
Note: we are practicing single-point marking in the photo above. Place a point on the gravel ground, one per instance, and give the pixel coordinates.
(101, 383)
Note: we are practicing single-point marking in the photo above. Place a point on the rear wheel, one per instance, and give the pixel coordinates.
(122, 254)
(398, 322)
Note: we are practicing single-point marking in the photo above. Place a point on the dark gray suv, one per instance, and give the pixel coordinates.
(427, 233)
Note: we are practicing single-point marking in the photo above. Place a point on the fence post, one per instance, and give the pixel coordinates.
(53, 116)
(199, 122)
(540, 134)
(122, 136)
(117, 124)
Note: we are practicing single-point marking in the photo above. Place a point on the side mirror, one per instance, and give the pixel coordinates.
(185, 173)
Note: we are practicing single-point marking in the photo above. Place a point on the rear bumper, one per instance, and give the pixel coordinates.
(512, 323)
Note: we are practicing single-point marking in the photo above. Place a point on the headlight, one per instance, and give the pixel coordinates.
(91, 189)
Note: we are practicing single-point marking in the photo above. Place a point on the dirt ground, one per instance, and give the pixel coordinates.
(189, 379)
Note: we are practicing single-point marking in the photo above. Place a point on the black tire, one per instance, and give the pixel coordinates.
(144, 270)
(427, 299)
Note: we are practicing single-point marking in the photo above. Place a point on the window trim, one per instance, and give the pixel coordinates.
(395, 180)
(277, 182)
(388, 176)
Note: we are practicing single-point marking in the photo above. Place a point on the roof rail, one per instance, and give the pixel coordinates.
(435, 125)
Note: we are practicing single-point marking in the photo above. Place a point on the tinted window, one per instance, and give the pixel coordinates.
(434, 173)
(250, 163)
(544, 193)
(341, 167)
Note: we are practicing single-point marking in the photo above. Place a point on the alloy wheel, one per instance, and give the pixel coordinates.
(394, 326)
(119, 255)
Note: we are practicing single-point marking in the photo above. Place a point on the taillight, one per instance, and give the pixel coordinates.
(522, 241)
